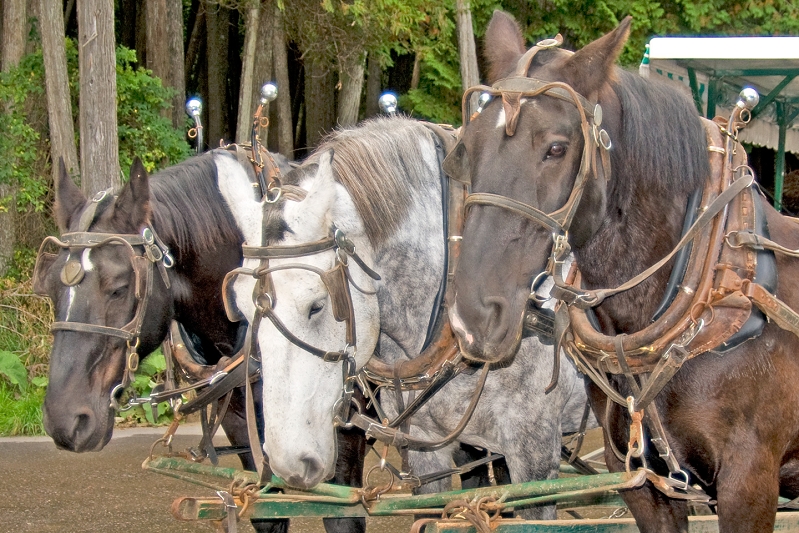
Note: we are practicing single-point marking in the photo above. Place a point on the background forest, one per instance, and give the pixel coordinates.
(119, 73)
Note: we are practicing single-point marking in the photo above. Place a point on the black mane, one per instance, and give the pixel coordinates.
(661, 147)
(187, 209)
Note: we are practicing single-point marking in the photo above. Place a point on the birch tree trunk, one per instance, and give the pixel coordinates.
(59, 106)
(99, 148)
(349, 98)
(247, 103)
(285, 135)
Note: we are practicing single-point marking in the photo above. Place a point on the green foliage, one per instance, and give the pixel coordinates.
(12, 369)
(150, 373)
(143, 130)
(21, 95)
(21, 413)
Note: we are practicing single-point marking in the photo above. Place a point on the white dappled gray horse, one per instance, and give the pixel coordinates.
(380, 185)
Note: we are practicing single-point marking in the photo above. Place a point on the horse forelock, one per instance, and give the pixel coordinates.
(188, 209)
(380, 164)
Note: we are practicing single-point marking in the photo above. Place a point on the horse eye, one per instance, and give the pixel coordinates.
(556, 150)
(316, 307)
(119, 293)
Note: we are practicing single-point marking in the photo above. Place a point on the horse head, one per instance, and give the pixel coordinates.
(302, 309)
(532, 144)
(96, 285)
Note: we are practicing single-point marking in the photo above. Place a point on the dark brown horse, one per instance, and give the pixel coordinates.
(94, 292)
(730, 419)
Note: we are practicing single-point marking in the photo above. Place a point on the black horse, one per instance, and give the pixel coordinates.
(613, 185)
(118, 298)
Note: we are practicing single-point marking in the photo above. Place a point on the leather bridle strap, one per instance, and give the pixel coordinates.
(485, 198)
(592, 298)
(288, 252)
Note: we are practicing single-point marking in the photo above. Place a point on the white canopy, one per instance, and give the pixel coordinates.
(727, 64)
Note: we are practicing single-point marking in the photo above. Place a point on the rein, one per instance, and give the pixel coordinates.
(153, 252)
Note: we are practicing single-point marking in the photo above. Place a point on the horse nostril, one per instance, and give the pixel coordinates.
(310, 473)
(83, 428)
(495, 313)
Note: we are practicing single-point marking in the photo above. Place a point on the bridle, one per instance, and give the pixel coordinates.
(151, 251)
(596, 145)
(337, 281)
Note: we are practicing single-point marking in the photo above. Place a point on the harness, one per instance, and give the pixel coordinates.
(728, 270)
(146, 250)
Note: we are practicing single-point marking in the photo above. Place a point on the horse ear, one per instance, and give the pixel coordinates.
(322, 193)
(69, 200)
(456, 164)
(132, 208)
(504, 45)
(591, 67)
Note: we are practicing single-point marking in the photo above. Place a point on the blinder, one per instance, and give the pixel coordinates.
(153, 253)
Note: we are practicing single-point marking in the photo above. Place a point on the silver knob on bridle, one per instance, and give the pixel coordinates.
(268, 92)
(388, 103)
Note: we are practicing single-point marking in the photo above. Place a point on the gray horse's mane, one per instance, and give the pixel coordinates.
(381, 165)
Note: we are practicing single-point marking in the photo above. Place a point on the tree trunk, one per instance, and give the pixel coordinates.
(59, 107)
(349, 98)
(157, 56)
(373, 86)
(177, 78)
(320, 113)
(246, 102)
(285, 136)
(13, 48)
(99, 149)
(14, 33)
(262, 67)
(470, 75)
(195, 43)
(216, 18)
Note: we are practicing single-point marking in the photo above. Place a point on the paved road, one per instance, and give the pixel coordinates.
(43, 489)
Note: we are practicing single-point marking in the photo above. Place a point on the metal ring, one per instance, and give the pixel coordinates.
(272, 200)
(260, 306)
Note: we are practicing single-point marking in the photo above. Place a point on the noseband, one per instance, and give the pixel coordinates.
(152, 252)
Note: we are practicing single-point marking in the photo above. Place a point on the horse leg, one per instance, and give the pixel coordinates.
(652, 510)
(747, 491)
(349, 471)
(535, 456)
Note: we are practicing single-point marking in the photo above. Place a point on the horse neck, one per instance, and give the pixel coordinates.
(639, 229)
(198, 273)
(411, 264)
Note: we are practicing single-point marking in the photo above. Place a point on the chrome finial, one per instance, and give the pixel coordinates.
(268, 92)
(388, 103)
(748, 98)
(194, 107)
(482, 100)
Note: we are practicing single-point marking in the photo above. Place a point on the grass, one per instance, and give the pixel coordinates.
(20, 413)
(25, 320)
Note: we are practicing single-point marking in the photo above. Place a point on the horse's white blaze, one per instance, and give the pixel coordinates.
(86, 261)
(501, 120)
(88, 266)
